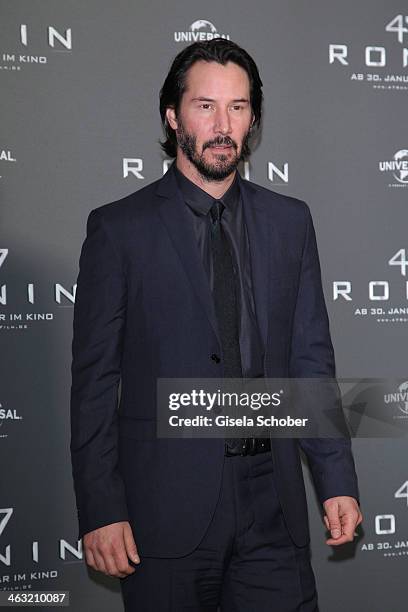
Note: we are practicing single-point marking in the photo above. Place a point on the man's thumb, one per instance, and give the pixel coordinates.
(334, 521)
(130, 544)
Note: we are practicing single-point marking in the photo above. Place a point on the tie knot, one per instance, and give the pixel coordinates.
(216, 210)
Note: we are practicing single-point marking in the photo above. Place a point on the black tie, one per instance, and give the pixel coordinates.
(225, 294)
(225, 299)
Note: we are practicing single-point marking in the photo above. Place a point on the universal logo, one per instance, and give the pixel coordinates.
(198, 31)
(399, 399)
(6, 415)
(6, 156)
(398, 167)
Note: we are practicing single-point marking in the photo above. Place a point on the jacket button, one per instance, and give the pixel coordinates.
(215, 358)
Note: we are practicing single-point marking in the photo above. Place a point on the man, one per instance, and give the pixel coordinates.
(201, 274)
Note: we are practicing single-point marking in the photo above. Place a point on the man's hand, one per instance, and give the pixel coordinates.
(341, 518)
(109, 548)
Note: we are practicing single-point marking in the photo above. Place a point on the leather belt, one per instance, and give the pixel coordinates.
(247, 446)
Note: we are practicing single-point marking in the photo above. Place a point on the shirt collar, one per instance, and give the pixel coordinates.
(201, 201)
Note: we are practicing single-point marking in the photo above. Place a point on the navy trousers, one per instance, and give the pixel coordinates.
(246, 561)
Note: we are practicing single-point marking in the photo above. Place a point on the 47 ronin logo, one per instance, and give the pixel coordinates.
(385, 525)
(378, 290)
(374, 56)
(61, 294)
(64, 546)
(64, 40)
(55, 40)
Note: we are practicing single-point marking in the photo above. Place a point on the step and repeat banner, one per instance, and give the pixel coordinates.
(80, 127)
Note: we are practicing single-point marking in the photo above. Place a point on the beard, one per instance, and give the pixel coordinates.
(223, 165)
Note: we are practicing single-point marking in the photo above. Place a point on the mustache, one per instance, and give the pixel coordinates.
(220, 141)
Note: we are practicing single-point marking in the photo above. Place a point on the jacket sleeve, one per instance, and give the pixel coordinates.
(312, 356)
(99, 319)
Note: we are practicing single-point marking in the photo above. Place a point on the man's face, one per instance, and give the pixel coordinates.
(214, 118)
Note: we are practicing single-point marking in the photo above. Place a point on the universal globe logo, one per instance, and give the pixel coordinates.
(202, 24)
(398, 166)
(199, 30)
(403, 393)
(401, 159)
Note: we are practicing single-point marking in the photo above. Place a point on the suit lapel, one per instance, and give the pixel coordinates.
(174, 215)
(260, 243)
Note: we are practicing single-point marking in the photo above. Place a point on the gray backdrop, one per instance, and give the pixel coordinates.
(80, 128)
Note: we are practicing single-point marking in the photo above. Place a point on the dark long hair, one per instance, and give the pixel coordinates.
(217, 50)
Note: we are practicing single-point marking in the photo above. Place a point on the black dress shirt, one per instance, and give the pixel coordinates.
(199, 203)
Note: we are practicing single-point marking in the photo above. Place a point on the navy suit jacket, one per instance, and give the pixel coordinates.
(144, 310)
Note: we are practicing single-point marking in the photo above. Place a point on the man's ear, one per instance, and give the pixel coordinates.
(171, 117)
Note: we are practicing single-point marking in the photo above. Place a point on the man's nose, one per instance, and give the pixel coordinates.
(222, 122)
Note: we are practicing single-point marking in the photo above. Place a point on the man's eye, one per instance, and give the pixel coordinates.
(205, 105)
(237, 107)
